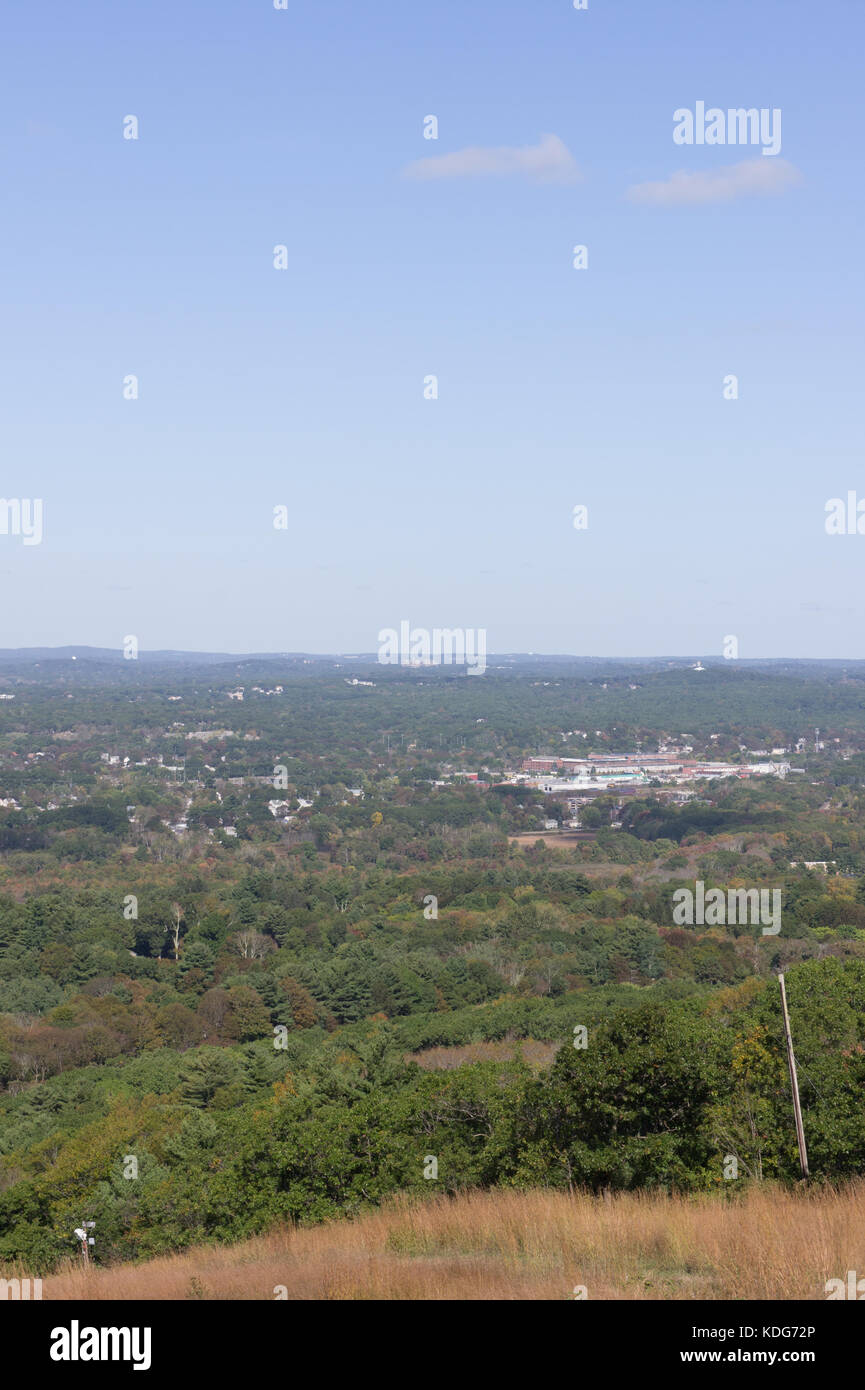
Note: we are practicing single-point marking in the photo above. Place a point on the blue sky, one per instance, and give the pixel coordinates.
(304, 387)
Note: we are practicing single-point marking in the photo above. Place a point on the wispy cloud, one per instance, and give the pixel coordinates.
(549, 161)
(753, 178)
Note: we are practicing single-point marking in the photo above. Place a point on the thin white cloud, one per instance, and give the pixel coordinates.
(753, 178)
(549, 161)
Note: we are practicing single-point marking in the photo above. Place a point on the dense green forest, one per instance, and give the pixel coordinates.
(280, 956)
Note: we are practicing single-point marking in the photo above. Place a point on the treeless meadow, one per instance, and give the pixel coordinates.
(770, 1243)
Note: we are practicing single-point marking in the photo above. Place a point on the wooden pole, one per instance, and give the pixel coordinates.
(794, 1084)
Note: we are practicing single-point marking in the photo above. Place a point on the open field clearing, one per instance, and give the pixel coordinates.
(770, 1244)
(538, 1055)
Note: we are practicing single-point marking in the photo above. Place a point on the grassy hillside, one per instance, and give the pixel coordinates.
(770, 1244)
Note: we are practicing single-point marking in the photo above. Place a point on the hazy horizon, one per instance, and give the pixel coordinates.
(371, 656)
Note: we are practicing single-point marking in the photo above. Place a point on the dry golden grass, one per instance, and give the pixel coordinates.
(535, 1054)
(770, 1244)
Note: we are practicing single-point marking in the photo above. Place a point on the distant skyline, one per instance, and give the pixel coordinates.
(410, 258)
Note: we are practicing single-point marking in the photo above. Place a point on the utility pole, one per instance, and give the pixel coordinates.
(794, 1084)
